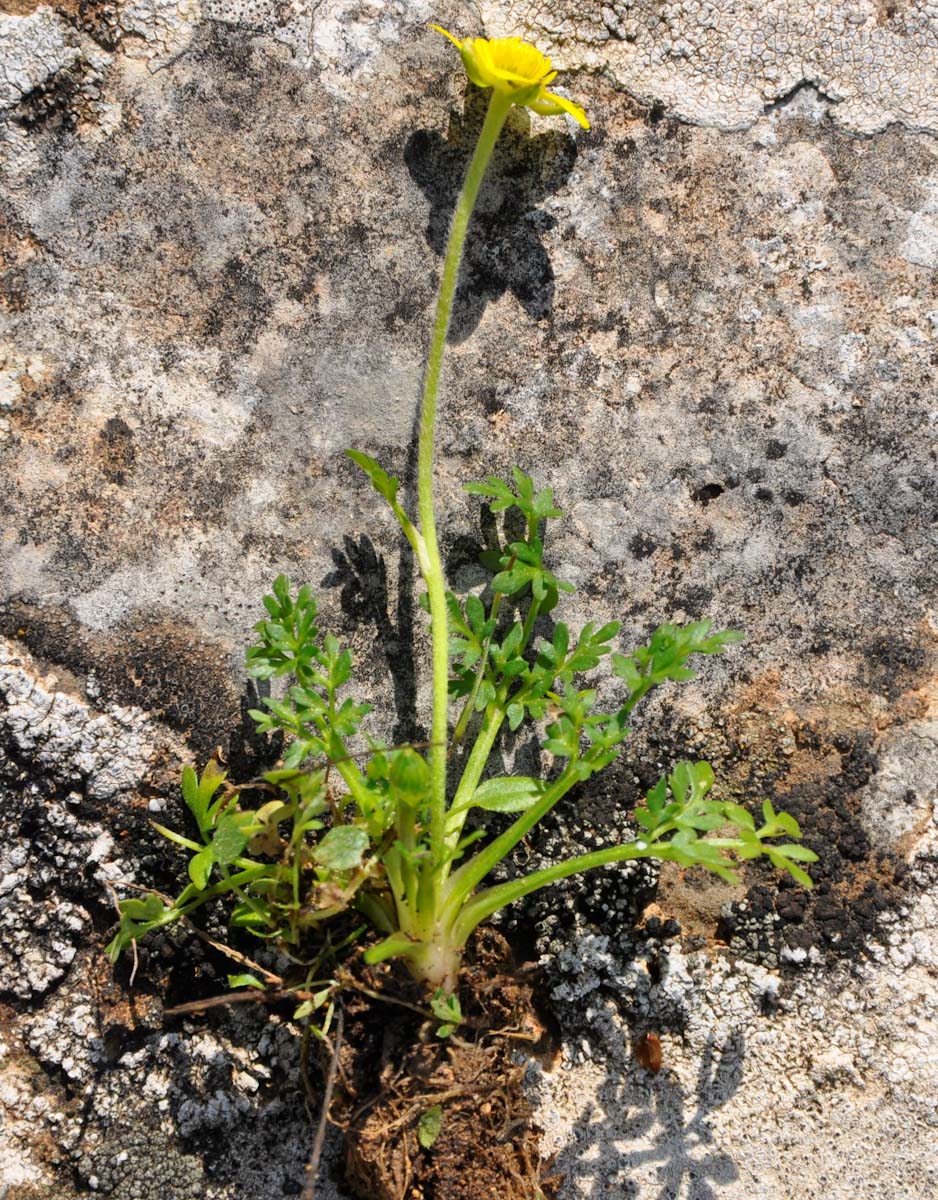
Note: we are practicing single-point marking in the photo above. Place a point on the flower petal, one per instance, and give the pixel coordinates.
(446, 33)
(484, 65)
(549, 104)
(473, 67)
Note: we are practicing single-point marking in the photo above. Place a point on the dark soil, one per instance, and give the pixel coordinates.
(393, 1068)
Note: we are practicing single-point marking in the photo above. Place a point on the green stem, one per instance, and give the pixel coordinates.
(528, 627)
(494, 898)
(470, 874)
(470, 705)
(436, 587)
(472, 773)
(407, 832)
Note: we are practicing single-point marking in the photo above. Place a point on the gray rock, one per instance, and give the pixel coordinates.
(709, 324)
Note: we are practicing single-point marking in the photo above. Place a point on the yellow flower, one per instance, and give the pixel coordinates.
(517, 70)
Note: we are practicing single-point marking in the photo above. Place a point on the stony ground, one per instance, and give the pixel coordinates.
(710, 324)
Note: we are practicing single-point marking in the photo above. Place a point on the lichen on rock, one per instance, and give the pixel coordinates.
(709, 325)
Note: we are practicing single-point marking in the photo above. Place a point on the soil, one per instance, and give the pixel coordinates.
(393, 1068)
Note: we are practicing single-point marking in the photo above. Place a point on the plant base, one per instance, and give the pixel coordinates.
(395, 1069)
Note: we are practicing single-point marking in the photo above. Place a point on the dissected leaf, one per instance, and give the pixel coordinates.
(384, 484)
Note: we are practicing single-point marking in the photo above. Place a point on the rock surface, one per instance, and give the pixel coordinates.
(710, 324)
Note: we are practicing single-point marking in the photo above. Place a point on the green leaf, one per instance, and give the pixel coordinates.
(245, 917)
(410, 777)
(429, 1126)
(507, 793)
(627, 669)
(190, 789)
(247, 980)
(664, 656)
(703, 822)
(145, 911)
(384, 484)
(738, 815)
(657, 796)
(138, 917)
(342, 848)
(198, 793)
(646, 819)
(799, 875)
(536, 507)
(475, 613)
(502, 495)
(509, 582)
(445, 1007)
(230, 838)
(317, 1000)
(782, 862)
(786, 823)
(282, 592)
(200, 867)
(799, 853)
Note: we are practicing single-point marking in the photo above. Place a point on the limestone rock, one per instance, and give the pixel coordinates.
(709, 324)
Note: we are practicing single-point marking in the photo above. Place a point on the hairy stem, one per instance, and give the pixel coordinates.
(433, 574)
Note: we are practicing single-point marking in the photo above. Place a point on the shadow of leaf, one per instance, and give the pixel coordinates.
(640, 1120)
(361, 574)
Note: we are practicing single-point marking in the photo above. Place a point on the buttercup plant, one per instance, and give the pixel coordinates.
(383, 832)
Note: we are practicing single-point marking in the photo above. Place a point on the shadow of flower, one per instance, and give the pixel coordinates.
(503, 249)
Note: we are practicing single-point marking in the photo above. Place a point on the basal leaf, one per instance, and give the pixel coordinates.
(200, 867)
(429, 1126)
(343, 848)
(230, 838)
(247, 980)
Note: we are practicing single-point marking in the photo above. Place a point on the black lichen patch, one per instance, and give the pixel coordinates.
(100, 19)
(155, 663)
(855, 886)
(60, 102)
(117, 450)
(590, 927)
(642, 545)
(892, 664)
